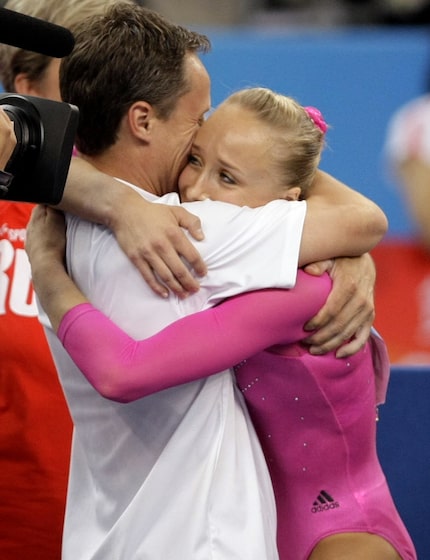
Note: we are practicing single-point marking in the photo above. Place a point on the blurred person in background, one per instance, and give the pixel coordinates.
(408, 154)
(403, 284)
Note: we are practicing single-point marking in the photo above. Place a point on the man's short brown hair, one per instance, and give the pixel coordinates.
(126, 55)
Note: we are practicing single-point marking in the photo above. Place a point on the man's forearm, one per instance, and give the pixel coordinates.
(93, 195)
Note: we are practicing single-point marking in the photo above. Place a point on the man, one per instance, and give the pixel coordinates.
(155, 490)
(178, 474)
(35, 424)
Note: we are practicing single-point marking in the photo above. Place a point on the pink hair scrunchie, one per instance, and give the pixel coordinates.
(316, 116)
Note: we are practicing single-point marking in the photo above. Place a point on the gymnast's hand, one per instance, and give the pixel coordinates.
(45, 246)
(46, 237)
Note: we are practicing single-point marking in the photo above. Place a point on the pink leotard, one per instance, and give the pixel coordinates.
(315, 415)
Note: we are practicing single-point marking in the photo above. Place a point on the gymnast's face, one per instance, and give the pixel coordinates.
(231, 161)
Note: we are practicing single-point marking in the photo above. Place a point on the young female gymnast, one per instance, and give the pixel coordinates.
(315, 415)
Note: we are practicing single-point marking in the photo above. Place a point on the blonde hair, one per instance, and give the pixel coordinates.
(297, 140)
(67, 13)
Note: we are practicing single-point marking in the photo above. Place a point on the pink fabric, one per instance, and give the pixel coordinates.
(124, 369)
(315, 416)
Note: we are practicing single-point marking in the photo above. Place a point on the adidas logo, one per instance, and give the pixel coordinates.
(324, 502)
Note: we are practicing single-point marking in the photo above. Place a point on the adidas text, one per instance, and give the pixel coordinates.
(324, 507)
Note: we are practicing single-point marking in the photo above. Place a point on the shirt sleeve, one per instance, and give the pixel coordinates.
(204, 343)
(247, 249)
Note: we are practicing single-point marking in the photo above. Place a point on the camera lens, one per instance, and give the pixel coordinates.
(28, 133)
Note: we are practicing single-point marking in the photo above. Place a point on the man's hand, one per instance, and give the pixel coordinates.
(345, 321)
(152, 238)
(150, 234)
(7, 139)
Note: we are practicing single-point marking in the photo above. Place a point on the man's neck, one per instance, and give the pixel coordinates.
(122, 168)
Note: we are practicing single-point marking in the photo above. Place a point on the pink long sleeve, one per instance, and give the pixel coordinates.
(196, 346)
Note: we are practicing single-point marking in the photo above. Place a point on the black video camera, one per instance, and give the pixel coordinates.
(45, 132)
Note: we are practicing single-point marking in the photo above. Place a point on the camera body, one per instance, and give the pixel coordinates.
(45, 132)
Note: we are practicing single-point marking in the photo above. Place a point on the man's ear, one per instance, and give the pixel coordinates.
(141, 119)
